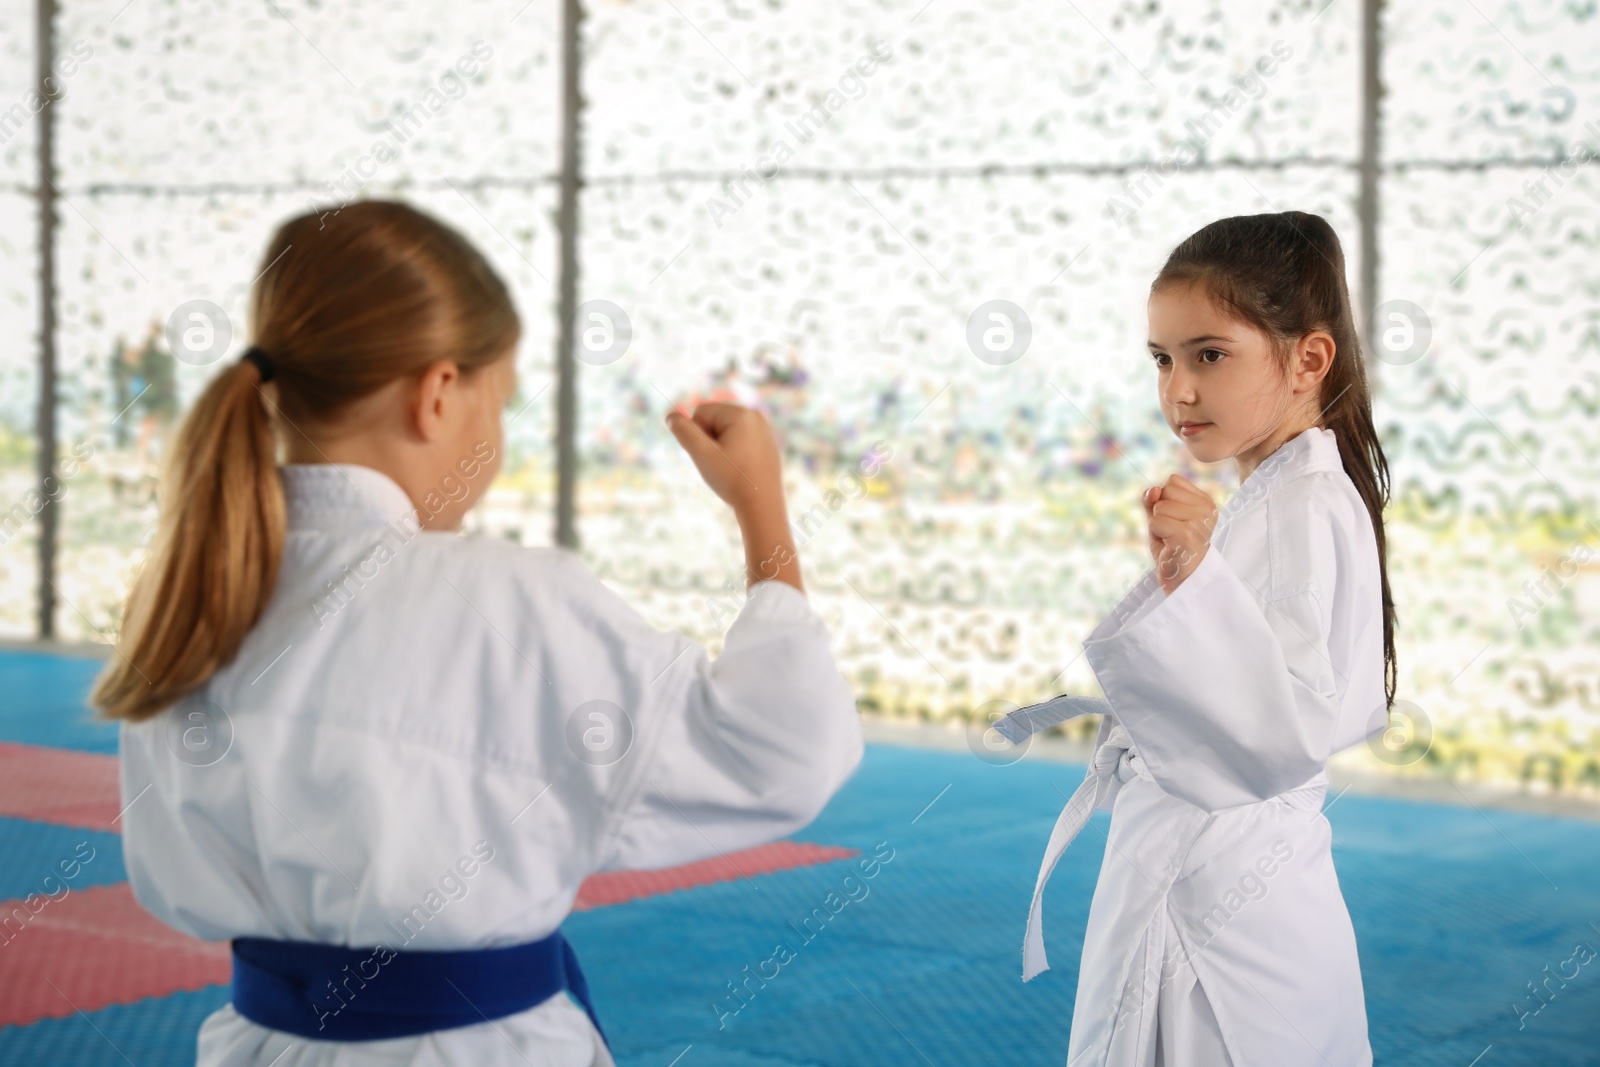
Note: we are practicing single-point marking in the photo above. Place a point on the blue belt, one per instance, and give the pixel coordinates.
(332, 993)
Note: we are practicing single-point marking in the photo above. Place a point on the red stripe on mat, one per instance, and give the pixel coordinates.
(59, 786)
(97, 947)
(80, 789)
(619, 887)
(93, 948)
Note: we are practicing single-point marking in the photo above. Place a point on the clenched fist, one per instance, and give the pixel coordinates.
(735, 452)
(1181, 517)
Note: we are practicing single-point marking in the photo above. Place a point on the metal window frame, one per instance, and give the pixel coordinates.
(45, 427)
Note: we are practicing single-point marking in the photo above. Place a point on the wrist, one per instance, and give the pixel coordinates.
(753, 513)
(769, 549)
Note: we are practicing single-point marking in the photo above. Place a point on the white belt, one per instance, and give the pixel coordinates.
(1116, 756)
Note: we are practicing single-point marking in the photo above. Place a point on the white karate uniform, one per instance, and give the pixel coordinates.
(1217, 934)
(387, 736)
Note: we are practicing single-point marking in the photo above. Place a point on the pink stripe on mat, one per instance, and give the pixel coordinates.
(59, 786)
(619, 887)
(93, 948)
(97, 946)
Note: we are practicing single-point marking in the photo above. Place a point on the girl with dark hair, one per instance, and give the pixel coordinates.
(1261, 643)
(341, 719)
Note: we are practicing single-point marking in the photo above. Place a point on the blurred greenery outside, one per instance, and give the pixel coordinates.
(945, 606)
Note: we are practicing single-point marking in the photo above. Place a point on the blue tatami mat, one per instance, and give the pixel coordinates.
(1456, 911)
(42, 702)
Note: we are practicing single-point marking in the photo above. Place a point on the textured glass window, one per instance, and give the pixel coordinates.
(712, 86)
(188, 92)
(19, 390)
(1490, 225)
(806, 208)
(191, 130)
(19, 320)
(822, 209)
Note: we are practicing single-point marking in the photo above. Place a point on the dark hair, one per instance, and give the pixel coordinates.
(1284, 274)
(347, 300)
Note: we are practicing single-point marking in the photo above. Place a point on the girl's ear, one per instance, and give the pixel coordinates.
(430, 396)
(1313, 359)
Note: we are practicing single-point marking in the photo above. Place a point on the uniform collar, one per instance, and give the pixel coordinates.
(327, 496)
(1315, 449)
(1311, 450)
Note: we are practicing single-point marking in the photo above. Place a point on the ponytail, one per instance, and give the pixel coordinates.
(1361, 455)
(348, 301)
(1284, 274)
(215, 558)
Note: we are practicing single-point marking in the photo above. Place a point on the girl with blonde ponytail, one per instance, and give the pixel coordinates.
(341, 718)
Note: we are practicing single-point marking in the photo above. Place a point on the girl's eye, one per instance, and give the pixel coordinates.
(1161, 358)
(1212, 355)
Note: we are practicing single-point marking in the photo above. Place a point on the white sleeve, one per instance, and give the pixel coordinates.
(738, 751)
(1231, 698)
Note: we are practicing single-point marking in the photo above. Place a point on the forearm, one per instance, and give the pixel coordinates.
(769, 548)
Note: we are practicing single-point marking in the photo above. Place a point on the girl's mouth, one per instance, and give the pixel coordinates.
(1189, 429)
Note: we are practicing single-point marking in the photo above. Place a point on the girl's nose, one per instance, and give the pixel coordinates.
(1178, 387)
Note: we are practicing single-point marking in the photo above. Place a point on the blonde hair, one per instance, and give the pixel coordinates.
(347, 301)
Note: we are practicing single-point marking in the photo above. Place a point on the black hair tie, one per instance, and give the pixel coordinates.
(259, 358)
